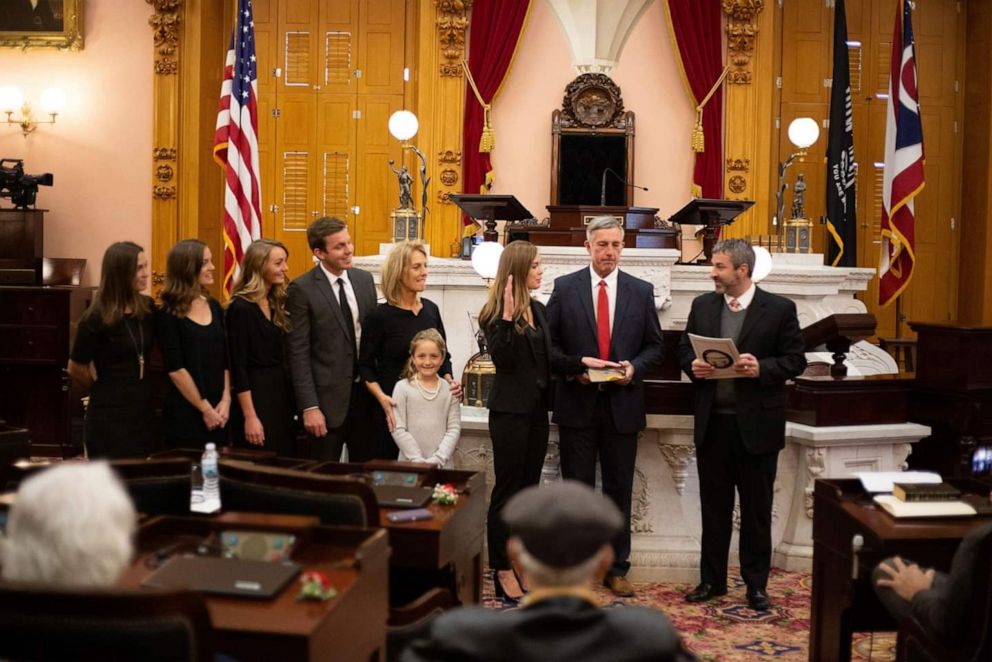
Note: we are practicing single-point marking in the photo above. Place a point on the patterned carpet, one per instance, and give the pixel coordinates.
(725, 629)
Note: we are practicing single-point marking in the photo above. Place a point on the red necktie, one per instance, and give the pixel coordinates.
(735, 305)
(603, 322)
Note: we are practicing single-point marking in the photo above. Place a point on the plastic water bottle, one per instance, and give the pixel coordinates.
(211, 479)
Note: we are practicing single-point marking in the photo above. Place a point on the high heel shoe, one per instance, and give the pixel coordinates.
(501, 592)
(520, 581)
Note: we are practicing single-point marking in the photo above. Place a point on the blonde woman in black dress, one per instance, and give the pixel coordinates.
(109, 355)
(262, 415)
(191, 334)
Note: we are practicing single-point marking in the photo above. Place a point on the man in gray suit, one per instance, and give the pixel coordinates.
(326, 308)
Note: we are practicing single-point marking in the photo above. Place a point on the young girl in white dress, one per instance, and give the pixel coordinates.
(428, 418)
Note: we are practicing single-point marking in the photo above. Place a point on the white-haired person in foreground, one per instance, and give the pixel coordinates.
(71, 526)
(560, 539)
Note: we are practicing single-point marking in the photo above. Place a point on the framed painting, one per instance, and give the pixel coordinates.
(41, 24)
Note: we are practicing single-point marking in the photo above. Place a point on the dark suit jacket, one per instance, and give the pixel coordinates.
(515, 389)
(559, 628)
(321, 357)
(635, 337)
(943, 609)
(771, 333)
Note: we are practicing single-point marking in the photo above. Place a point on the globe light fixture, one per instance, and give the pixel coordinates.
(762, 263)
(803, 133)
(403, 125)
(485, 259)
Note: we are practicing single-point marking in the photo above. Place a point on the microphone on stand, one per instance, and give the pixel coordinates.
(602, 190)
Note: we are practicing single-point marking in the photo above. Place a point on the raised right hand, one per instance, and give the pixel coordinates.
(508, 299)
(315, 423)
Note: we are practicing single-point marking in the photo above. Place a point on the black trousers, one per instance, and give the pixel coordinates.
(724, 465)
(358, 431)
(520, 442)
(617, 453)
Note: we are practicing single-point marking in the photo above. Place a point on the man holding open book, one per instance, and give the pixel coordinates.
(739, 416)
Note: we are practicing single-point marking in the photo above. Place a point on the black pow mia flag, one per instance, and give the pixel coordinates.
(842, 169)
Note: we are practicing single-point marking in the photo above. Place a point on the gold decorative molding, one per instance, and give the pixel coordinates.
(737, 184)
(163, 192)
(449, 177)
(160, 153)
(165, 20)
(164, 173)
(739, 165)
(452, 22)
(444, 197)
(449, 156)
(742, 26)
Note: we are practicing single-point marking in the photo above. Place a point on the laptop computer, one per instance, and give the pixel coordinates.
(221, 576)
(401, 496)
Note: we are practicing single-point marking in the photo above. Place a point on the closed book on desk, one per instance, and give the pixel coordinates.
(925, 492)
(901, 509)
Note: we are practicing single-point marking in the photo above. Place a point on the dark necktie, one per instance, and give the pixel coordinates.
(603, 322)
(349, 321)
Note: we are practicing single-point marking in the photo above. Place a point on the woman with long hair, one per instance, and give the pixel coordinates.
(257, 323)
(519, 341)
(109, 356)
(388, 330)
(191, 335)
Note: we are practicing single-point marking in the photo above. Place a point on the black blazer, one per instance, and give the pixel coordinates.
(771, 333)
(556, 628)
(636, 337)
(515, 389)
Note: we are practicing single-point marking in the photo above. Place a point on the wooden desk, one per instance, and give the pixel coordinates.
(445, 551)
(843, 600)
(351, 626)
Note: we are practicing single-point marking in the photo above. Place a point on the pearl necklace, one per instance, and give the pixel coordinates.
(426, 392)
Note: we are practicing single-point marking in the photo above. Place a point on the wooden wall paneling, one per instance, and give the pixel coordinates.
(206, 33)
(440, 105)
(975, 267)
(165, 23)
(267, 52)
(807, 26)
(377, 189)
(749, 113)
(380, 57)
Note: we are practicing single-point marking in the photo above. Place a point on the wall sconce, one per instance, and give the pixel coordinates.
(803, 132)
(11, 101)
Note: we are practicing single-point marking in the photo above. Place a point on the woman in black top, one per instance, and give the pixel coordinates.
(262, 415)
(191, 335)
(109, 355)
(519, 342)
(388, 330)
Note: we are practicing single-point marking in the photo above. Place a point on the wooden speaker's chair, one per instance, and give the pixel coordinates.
(412, 620)
(38, 624)
(916, 644)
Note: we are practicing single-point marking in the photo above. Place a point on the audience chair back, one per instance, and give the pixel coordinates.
(412, 620)
(103, 625)
(915, 644)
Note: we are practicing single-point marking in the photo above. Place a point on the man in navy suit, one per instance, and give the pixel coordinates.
(740, 423)
(603, 313)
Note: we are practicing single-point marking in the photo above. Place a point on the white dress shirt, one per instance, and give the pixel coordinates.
(743, 300)
(611, 293)
(349, 293)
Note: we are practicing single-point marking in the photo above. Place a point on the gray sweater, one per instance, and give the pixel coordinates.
(426, 430)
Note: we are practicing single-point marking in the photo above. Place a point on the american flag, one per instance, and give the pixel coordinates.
(902, 176)
(236, 144)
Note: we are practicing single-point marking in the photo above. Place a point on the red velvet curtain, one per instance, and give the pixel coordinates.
(695, 26)
(495, 28)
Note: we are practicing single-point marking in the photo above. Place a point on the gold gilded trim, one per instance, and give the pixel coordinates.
(70, 38)
(165, 21)
(742, 26)
(452, 22)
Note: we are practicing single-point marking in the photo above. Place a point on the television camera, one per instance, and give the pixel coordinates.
(20, 188)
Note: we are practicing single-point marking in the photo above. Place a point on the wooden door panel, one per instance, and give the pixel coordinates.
(381, 41)
(339, 41)
(376, 184)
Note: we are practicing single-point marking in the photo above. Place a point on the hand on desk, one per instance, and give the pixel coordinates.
(906, 580)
